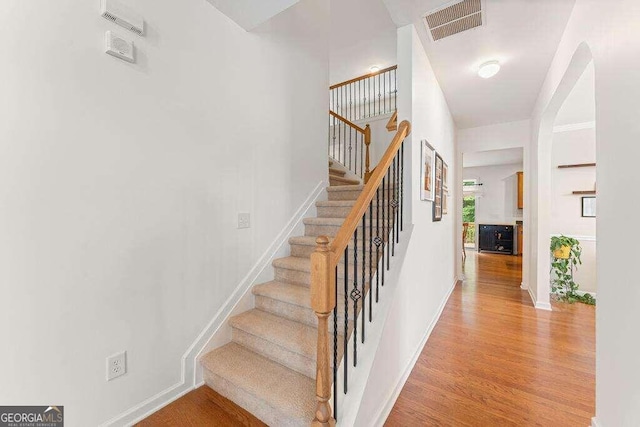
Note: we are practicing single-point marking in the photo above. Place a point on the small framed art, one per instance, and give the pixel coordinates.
(438, 189)
(427, 172)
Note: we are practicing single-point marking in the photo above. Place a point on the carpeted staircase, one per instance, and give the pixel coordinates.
(269, 368)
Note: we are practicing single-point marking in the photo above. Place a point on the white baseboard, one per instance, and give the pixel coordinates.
(393, 396)
(539, 305)
(189, 380)
(595, 423)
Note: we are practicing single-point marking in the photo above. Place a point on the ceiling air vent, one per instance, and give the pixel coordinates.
(455, 18)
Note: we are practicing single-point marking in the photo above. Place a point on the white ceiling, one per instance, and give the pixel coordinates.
(508, 156)
(580, 105)
(362, 35)
(522, 34)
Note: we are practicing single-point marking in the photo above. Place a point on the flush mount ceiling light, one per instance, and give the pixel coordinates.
(374, 69)
(489, 69)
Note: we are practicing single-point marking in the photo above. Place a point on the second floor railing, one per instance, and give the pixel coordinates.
(365, 96)
(343, 287)
(349, 144)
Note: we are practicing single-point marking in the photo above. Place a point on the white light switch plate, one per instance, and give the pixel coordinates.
(244, 220)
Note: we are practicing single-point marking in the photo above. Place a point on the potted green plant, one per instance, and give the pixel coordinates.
(566, 253)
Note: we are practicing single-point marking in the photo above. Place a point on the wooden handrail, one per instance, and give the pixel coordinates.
(347, 122)
(392, 124)
(366, 76)
(324, 262)
(350, 224)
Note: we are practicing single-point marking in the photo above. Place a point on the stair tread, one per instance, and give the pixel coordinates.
(296, 337)
(304, 265)
(281, 388)
(344, 180)
(338, 172)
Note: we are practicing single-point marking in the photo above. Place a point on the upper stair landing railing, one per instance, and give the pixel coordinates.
(366, 96)
(349, 144)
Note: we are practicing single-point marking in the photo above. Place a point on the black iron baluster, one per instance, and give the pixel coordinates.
(379, 95)
(346, 315)
(361, 154)
(355, 296)
(364, 255)
(335, 351)
(370, 258)
(378, 241)
(384, 93)
(396, 190)
(350, 146)
(384, 221)
(402, 185)
(355, 157)
(387, 232)
(393, 211)
(369, 81)
(395, 91)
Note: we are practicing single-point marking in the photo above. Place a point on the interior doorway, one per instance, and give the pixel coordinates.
(492, 212)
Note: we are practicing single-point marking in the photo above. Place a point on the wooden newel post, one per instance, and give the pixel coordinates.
(367, 142)
(323, 301)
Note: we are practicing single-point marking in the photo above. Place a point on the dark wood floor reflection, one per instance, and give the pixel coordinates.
(494, 360)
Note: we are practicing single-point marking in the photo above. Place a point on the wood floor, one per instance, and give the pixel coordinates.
(201, 407)
(494, 360)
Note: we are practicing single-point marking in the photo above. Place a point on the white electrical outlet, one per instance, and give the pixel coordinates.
(244, 220)
(116, 365)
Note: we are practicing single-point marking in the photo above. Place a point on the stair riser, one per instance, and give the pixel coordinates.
(249, 402)
(305, 251)
(337, 181)
(303, 278)
(343, 211)
(297, 362)
(332, 230)
(299, 314)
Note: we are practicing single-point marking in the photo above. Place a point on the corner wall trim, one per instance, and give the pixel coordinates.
(188, 380)
(539, 305)
(393, 396)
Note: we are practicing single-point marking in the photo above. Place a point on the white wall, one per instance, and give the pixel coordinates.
(607, 32)
(497, 198)
(120, 185)
(428, 272)
(362, 35)
(574, 147)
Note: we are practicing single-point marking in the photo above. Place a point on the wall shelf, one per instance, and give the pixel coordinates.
(585, 192)
(579, 165)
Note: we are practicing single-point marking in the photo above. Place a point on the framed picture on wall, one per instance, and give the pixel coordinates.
(445, 174)
(588, 207)
(427, 173)
(445, 202)
(438, 189)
